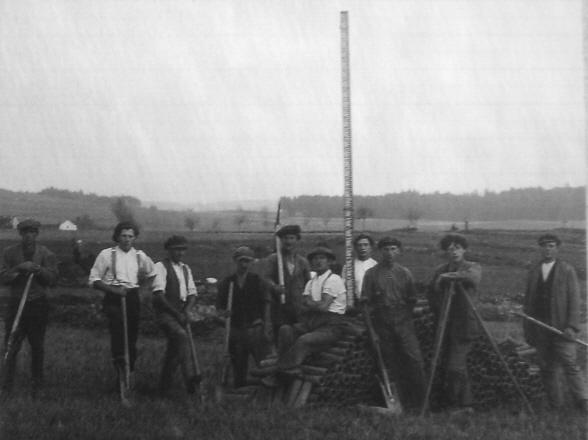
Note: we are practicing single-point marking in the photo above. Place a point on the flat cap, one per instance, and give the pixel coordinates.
(321, 250)
(176, 242)
(389, 241)
(548, 238)
(29, 224)
(289, 230)
(243, 253)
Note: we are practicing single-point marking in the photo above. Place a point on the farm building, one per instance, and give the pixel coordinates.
(68, 226)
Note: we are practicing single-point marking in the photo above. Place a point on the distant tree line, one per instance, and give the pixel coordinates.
(560, 204)
(130, 201)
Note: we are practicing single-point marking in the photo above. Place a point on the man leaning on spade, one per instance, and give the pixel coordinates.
(174, 293)
(19, 262)
(389, 292)
(118, 272)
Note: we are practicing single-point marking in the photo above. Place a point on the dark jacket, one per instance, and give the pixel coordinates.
(47, 277)
(294, 286)
(462, 323)
(565, 299)
(248, 301)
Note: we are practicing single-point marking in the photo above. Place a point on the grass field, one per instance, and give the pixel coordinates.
(77, 401)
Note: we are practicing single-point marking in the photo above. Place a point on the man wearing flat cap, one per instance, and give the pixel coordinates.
(118, 272)
(389, 292)
(18, 263)
(174, 292)
(322, 320)
(250, 314)
(553, 297)
(296, 275)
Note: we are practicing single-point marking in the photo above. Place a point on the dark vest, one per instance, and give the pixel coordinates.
(172, 285)
(543, 298)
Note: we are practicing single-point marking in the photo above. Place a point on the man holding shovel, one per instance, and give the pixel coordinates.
(31, 265)
(295, 272)
(118, 272)
(553, 298)
(389, 291)
(174, 293)
(249, 307)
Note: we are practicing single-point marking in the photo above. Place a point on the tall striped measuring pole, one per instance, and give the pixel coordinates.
(347, 156)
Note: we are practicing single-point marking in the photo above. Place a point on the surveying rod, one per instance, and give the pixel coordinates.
(347, 156)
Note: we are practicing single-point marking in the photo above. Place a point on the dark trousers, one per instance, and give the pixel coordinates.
(556, 353)
(177, 353)
(33, 323)
(315, 332)
(242, 343)
(402, 355)
(113, 311)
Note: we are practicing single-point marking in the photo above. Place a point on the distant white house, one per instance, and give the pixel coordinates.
(68, 226)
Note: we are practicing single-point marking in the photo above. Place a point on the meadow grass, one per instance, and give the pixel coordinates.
(78, 402)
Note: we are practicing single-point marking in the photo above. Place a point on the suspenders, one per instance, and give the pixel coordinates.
(113, 263)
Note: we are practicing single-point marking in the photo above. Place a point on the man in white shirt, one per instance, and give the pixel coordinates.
(363, 245)
(118, 272)
(553, 296)
(174, 292)
(322, 322)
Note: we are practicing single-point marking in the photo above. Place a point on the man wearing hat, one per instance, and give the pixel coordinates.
(296, 275)
(553, 297)
(388, 289)
(18, 263)
(462, 324)
(174, 292)
(118, 272)
(250, 314)
(322, 320)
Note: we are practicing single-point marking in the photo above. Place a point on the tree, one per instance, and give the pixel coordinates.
(191, 222)
(265, 217)
(122, 210)
(413, 215)
(362, 213)
(215, 223)
(240, 218)
(84, 222)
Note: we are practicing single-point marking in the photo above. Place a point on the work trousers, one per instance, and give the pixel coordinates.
(315, 332)
(459, 388)
(113, 311)
(402, 354)
(557, 353)
(177, 353)
(33, 324)
(242, 343)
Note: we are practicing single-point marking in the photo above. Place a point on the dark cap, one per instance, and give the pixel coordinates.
(243, 253)
(176, 242)
(289, 230)
(549, 238)
(29, 224)
(389, 241)
(321, 250)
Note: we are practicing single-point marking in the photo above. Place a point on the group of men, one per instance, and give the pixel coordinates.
(297, 306)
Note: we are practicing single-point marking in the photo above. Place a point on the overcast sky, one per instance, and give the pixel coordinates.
(197, 101)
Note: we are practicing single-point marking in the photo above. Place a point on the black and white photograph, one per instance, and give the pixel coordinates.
(314, 219)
